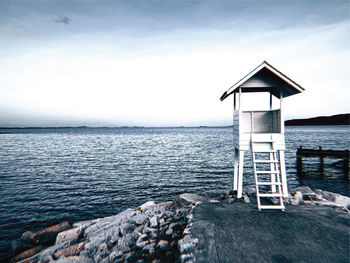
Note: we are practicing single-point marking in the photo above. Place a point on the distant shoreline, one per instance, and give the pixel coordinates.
(339, 119)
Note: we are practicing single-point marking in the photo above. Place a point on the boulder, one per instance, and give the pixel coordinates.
(245, 199)
(335, 198)
(164, 205)
(186, 200)
(125, 243)
(145, 206)
(303, 189)
(153, 222)
(27, 236)
(71, 235)
(162, 244)
(139, 219)
(20, 245)
(48, 235)
(343, 201)
(149, 248)
(297, 198)
(70, 251)
(186, 244)
(74, 259)
(28, 253)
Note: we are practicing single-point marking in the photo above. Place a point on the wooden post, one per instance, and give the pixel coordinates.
(235, 170)
(234, 101)
(321, 161)
(299, 161)
(240, 174)
(240, 98)
(270, 101)
(283, 174)
(281, 114)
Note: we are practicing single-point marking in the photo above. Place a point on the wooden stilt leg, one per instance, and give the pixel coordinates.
(235, 170)
(273, 176)
(240, 174)
(283, 174)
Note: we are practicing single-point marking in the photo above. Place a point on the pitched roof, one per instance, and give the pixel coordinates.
(265, 78)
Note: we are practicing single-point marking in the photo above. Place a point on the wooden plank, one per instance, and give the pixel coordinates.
(301, 152)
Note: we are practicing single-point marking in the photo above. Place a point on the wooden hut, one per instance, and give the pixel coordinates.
(261, 132)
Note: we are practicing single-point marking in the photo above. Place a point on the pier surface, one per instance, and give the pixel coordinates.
(238, 232)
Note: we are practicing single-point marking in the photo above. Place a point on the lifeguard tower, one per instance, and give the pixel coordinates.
(262, 132)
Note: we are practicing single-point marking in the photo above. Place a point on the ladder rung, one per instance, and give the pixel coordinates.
(266, 161)
(262, 141)
(265, 151)
(267, 172)
(269, 195)
(269, 183)
(272, 207)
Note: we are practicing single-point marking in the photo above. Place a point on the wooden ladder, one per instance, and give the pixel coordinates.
(264, 148)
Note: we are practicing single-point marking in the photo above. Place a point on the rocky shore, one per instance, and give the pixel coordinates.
(150, 233)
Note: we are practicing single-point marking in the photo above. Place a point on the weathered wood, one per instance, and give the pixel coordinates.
(321, 154)
(338, 154)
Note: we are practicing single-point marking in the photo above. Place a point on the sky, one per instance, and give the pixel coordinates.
(165, 63)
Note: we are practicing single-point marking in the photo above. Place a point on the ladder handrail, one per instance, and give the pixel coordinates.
(274, 171)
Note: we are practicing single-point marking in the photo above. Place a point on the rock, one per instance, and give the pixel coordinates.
(71, 235)
(74, 259)
(129, 257)
(165, 205)
(105, 260)
(274, 200)
(20, 245)
(28, 253)
(231, 200)
(149, 248)
(169, 214)
(48, 235)
(334, 197)
(125, 243)
(46, 254)
(27, 236)
(70, 251)
(162, 244)
(188, 258)
(245, 199)
(185, 200)
(84, 224)
(139, 219)
(126, 228)
(153, 222)
(145, 206)
(298, 198)
(169, 232)
(102, 250)
(304, 190)
(141, 244)
(115, 254)
(343, 201)
(149, 230)
(186, 244)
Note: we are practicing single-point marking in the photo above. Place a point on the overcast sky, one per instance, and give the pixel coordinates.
(165, 63)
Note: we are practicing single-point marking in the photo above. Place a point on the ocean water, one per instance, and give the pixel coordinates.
(51, 175)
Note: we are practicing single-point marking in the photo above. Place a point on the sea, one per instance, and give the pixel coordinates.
(55, 174)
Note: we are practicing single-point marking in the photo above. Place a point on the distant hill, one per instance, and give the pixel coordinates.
(339, 119)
